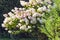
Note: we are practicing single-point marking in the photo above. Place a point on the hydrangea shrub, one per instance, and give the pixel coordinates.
(36, 14)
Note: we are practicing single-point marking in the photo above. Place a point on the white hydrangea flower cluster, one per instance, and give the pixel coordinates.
(39, 5)
(22, 19)
(35, 2)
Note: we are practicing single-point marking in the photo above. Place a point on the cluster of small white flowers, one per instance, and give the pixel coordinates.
(23, 18)
(34, 2)
(38, 3)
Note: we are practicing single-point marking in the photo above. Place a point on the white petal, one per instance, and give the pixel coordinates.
(44, 8)
(33, 21)
(19, 24)
(13, 10)
(6, 28)
(26, 21)
(16, 8)
(29, 27)
(10, 14)
(9, 31)
(3, 25)
(23, 3)
(5, 15)
(10, 22)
